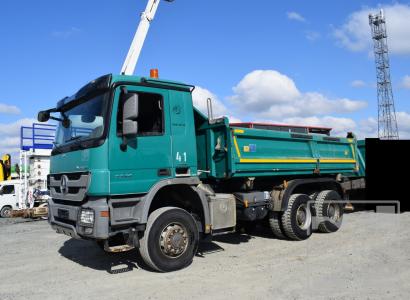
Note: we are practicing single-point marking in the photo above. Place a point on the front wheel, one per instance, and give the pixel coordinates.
(5, 212)
(170, 239)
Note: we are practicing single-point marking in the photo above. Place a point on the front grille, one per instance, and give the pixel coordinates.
(71, 176)
(65, 202)
(75, 186)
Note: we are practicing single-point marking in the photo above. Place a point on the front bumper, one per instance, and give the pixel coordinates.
(64, 219)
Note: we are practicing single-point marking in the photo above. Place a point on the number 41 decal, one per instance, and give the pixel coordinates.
(181, 158)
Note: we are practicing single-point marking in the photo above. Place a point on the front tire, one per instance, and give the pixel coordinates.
(170, 239)
(297, 218)
(6, 212)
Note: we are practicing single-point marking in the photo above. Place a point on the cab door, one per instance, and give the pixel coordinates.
(8, 196)
(147, 158)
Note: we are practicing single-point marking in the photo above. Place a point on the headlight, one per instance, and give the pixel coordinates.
(87, 217)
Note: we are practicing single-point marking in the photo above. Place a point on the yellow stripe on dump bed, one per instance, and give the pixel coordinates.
(298, 160)
(337, 161)
(289, 160)
(238, 152)
(273, 160)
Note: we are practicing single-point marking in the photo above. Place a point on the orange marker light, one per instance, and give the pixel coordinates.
(153, 73)
(105, 213)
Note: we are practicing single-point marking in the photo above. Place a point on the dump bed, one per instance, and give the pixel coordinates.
(225, 152)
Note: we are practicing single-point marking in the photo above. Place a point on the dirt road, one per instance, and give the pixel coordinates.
(369, 258)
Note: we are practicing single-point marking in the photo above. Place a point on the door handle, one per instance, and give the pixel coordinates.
(164, 172)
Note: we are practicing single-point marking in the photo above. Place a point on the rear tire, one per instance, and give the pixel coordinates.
(170, 239)
(275, 224)
(6, 212)
(297, 218)
(313, 196)
(328, 212)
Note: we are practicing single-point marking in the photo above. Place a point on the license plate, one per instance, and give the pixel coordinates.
(62, 213)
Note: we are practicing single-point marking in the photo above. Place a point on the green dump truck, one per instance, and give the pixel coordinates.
(135, 165)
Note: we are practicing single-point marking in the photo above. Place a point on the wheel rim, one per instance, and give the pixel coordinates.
(7, 213)
(303, 217)
(174, 240)
(333, 212)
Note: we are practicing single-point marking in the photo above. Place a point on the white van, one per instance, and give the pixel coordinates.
(9, 197)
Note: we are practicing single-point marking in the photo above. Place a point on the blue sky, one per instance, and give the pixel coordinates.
(50, 49)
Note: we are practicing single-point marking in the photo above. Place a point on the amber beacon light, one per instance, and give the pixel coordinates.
(153, 73)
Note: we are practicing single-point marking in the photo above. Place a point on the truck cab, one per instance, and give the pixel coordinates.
(8, 197)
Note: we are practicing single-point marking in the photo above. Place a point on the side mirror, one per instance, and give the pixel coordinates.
(130, 115)
(43, 116)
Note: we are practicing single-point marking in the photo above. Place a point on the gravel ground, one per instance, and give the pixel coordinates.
(369, 258)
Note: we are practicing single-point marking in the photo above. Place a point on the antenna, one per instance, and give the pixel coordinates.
(387, 123)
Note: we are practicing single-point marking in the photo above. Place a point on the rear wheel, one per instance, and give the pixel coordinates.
(297, 218)
(329, 211)
(170, 240)
(275, 225)
(5, 212)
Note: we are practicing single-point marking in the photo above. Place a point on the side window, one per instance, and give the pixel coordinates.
(8, 189)
(150, 115)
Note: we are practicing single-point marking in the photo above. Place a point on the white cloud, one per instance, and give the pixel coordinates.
(200, 96)
(340, 126)
(262, 88)
(403, 123)
(269, 94)
(9, 109)
(405, 83)
(10, 133)
(358, 84)
(272, 97)
(368, 127)
(355, 33)
(13, 129)
(295, 16)
(312, 35)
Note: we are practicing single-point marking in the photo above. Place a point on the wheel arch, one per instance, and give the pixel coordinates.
(306, 186)
(178, 193)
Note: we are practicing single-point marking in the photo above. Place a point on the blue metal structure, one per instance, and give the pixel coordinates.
(38, 136)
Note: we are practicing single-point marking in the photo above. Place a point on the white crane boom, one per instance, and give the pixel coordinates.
(136, 46)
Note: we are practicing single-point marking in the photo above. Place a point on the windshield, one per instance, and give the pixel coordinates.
(87, 121)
